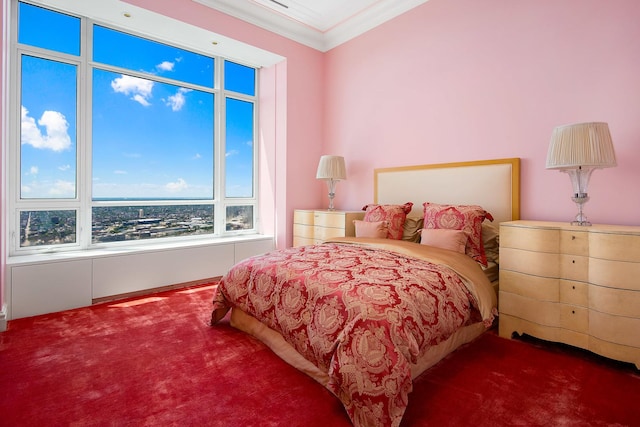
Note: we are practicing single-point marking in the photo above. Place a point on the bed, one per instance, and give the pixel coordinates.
(366, 315)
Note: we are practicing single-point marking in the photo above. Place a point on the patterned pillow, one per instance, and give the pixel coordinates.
(377, 229)
(467, 218)
(395, 215)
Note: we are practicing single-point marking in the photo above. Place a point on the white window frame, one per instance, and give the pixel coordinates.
(83, 202)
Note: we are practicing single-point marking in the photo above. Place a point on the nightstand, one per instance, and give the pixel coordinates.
(571, 284)
(316, 226)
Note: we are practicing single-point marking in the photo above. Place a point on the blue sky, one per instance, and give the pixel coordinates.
(150, 138)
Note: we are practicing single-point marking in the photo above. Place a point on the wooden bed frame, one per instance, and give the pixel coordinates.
(492, 184)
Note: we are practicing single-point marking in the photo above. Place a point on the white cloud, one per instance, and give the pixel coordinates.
(64, 167)
(177, 186)
(63, 188)
(138, 89)
(197, 156)
(45, 188)
(140, 99)
(176, 102)
(56, 127)
(33, 170)
(120, 172)
(165, 66)
(231, 153)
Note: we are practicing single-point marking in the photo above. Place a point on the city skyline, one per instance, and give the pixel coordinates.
(127, 223)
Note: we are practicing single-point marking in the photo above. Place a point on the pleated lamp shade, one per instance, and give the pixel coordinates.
(331, 167)
(582, 144)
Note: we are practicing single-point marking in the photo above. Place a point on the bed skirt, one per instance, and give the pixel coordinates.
(274, 340)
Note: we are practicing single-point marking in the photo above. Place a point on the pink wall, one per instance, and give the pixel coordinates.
(456, 80)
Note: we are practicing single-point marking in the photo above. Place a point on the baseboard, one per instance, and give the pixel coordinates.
(3, 318)
(155, 290)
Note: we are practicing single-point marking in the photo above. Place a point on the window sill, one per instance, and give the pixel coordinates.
(119, 250)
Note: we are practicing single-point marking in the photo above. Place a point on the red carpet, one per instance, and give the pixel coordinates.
(155, 362)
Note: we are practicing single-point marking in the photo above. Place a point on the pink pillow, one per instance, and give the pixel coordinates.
(467, 218)
(454, 240)
(394, 215)
(377, 229)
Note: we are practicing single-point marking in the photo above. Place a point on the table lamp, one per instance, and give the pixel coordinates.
(332, 170)
(579, 149)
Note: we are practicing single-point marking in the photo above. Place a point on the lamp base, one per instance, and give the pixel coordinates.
(581, 219)
(331, 183)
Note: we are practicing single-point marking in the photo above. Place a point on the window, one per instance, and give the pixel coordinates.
(129, 139)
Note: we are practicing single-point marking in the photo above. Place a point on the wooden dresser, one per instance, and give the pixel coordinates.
(316, 226)
(572, 284)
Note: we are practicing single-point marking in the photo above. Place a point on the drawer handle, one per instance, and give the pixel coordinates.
(573, 287)
(573, 312)
(573, 237)
(573, 261)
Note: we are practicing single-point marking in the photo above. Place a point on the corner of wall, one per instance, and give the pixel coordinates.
(3, 318)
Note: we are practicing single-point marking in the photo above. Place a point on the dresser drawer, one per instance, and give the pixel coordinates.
(615, 274)
(531, 239)
(574, 318)
(536, 263)
(620, 302)
(301, 230)
(574, 267)
(619, 247)
(618, 329)
(574, 293)
(540, 312)
(324, 233)
(535, 287)
(329, 219)
(574, 242)
(303, 241)
(303, 217)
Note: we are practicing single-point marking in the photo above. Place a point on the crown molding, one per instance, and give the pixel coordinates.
(364, 21)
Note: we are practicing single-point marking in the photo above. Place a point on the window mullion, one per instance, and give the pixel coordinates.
(84, 136)
(219, 152)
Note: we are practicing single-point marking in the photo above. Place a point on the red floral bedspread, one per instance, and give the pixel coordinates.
(360, 313)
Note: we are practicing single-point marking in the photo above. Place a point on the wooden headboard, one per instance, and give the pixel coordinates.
(492, 184)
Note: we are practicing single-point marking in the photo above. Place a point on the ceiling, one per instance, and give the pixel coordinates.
(320, 24)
